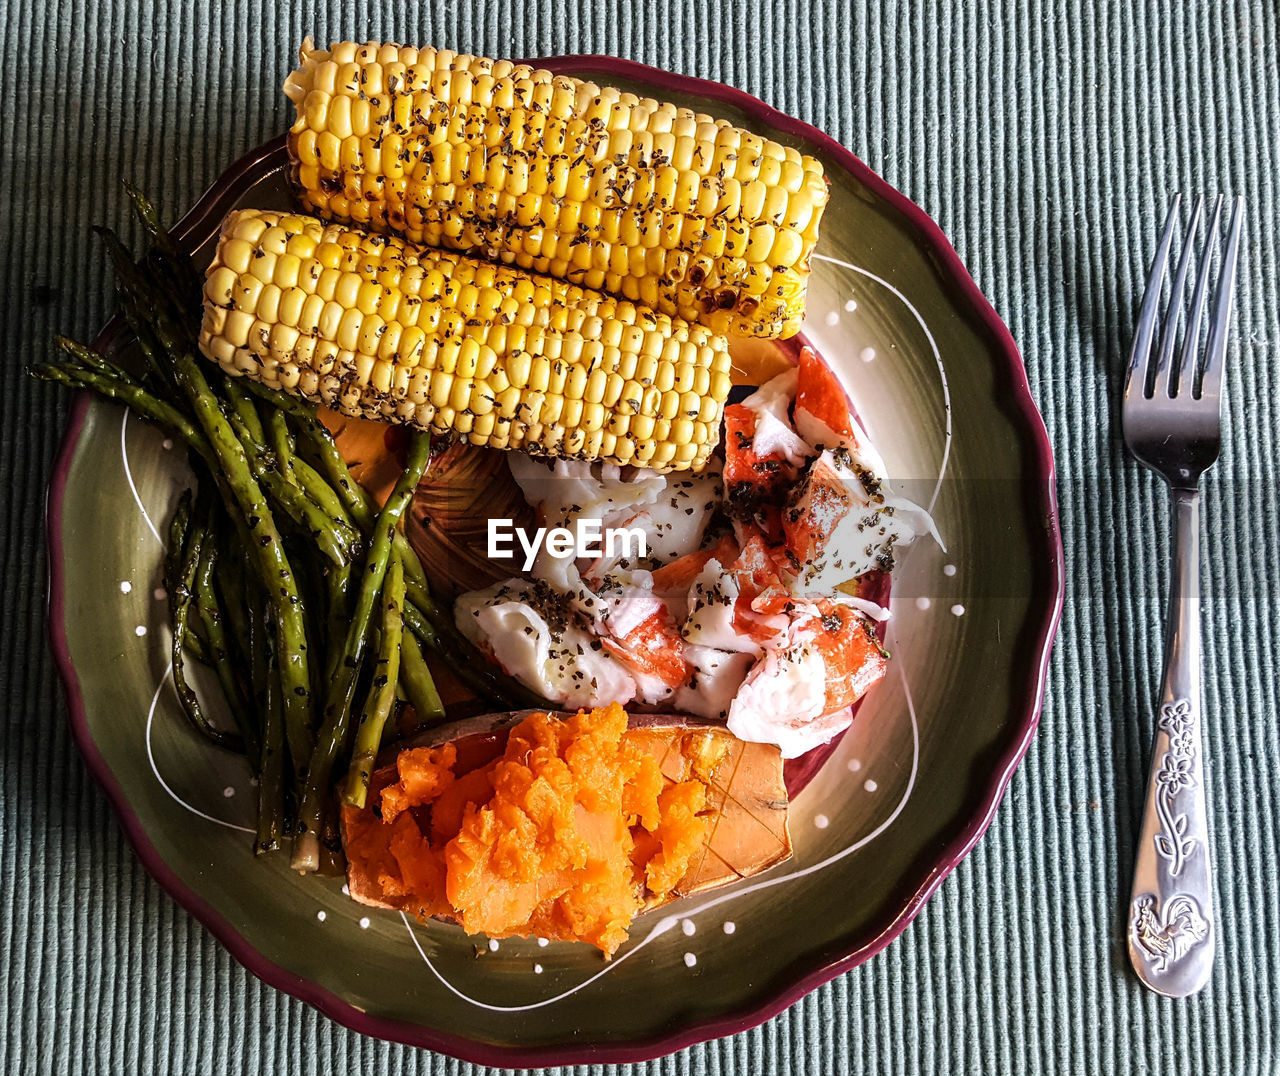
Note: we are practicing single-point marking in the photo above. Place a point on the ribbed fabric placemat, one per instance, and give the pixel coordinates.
(1045, 140)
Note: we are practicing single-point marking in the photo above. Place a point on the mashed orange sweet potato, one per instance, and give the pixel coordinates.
(569, 833)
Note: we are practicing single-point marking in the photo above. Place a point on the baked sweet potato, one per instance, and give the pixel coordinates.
(564, 826)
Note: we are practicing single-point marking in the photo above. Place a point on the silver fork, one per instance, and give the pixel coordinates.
(1172, 424)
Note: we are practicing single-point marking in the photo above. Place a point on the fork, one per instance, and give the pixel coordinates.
(1172, 423)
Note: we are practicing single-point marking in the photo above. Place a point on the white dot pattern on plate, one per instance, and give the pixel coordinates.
(543, 943)
(125, 587)
(821, 821)
(364, 923)
(957, 610)
(923, 604)
(832, 318)
(948, 569)
(537, 969)
(228, 792)
(140, 630)
(730, 926)
(346, 892)
(854, 765)
(493, 945)
(870, 785)
(167, 444)
(321, 915)
(851, 305)
(159, 594)
(690, 960)
(687, 925)
(867, 354)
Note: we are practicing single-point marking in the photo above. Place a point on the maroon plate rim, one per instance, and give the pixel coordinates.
(1049, 588)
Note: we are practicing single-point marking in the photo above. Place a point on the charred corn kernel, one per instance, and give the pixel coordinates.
(309, 315)
(571, 414)
(269, 304)
(441, 385)
(544, 410)
(575, 385)
(389, 346)
(221, 286)
(539, 378)
(509, 401)
(432, 338)
(595, 386)
(613, 385)
(236, 327)
(460, 151)
(290, 309)
(721, 383)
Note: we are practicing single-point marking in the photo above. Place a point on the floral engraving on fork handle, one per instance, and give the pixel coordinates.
(1167, 935)
(1174, 775)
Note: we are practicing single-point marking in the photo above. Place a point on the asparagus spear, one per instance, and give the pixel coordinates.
(271, 764)
(219, 653)
(132, 395)
(190, 536)
(382, 695)
(416, 681)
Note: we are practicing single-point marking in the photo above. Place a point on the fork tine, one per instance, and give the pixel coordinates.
(1162, 384)
(1140, 356)
(1215, 358)
(1190, 357)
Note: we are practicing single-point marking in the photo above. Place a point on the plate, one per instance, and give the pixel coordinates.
(905, 795)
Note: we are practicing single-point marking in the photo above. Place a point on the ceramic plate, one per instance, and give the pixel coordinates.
(905, 795)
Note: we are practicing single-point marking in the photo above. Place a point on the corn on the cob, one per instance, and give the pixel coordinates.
(378, 327)
(670, 208)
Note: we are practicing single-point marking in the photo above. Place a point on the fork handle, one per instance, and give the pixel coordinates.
(1171, 912)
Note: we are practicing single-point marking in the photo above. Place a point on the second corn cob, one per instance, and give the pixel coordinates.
(670, 208)
(377, 327)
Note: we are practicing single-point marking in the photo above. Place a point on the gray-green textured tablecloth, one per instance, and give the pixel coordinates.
(1044, 138)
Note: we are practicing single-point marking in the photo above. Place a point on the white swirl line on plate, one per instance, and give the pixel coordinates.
(667, 923)
(151, 713)
(937, 358)
(128, 474)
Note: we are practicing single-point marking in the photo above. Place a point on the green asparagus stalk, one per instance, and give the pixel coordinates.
(382, 695)
(219, 652)
(416, 681)
(133, 396)
(273, 759)
(191, 536)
